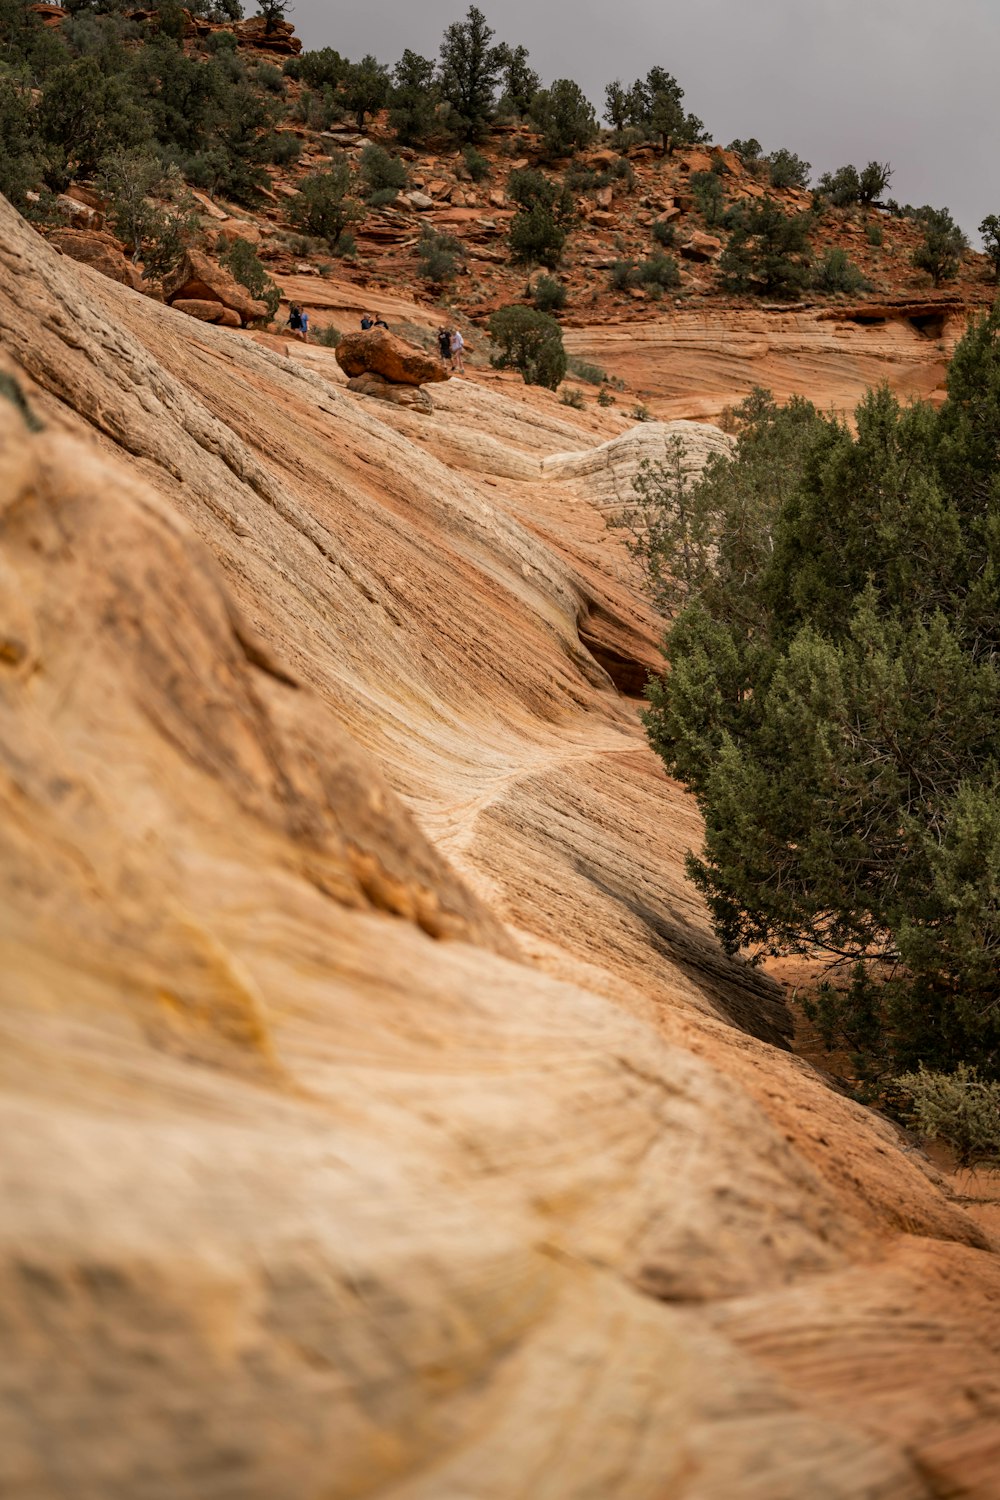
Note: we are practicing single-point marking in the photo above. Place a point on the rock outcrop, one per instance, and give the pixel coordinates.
(101, 251)
(378, 1115)
(375, 351)
(196, 278)
(414, 397)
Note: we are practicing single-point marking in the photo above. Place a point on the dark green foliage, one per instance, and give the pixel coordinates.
(224, 41)
(382, 174)
(959, 1108)
(841, 188)
(709, 196)
(365, 88)
(940, 254)
(873, 181)
(835, 273)
(468, 74)
(439, 256)
(834, 704)
(750, 153)
(786, 170)
(990, 231)
(242, 260)
(266, 76)
(225, 10)
(874, 234)
(273, 11)
(573, 398)
(286, 148)
(329, 336)
(565, 117)
(548, 294)
(519, 82)
(82, 116)
(663, 232)
(413, 99)
(476, 164)
(324, 206)
(592, 374)
(127, 180)
(545, 211)
(323, 68)
(768, 251)
(659, 271)
(531, 342)
(20, 149)
(653, 106)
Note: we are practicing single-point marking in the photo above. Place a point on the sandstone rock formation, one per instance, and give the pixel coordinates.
(378, 352)
(377, 1114)
(412, 396)
(101, 251)
(196, 278)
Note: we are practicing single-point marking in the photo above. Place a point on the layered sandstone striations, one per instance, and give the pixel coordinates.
(378, 1116)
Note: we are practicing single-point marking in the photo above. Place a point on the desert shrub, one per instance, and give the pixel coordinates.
(328, 336)
(786, 170)
(573, 398)
(381, 172)
(835, 273)
(604, 397)
(709, 196)
(266, 76)
(652, 109)
(841, 188)
(20, 150)
(641, 413)
(874, 234)
(590, 374)
(657, 272)
(286, 148)
(477, 165)
(324, 207)
(546, 211)
(548, 294)
(222, 41)
(621, 274)
(940, 253)
(439, 256)
(750, 153)
(365, 88)
(663, 232)
(242, 260)
(382, 199)
(531, 342)
(413, 98)
(317, 110)
(959, 1108)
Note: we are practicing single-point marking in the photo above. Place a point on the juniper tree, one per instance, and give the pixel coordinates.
(833, 702)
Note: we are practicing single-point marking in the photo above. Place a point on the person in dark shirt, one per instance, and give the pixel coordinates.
(444, 344)
(380, 322)
(367, 322)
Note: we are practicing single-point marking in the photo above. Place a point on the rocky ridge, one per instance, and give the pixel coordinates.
(379, 1115)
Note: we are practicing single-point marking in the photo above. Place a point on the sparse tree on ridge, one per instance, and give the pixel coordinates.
(468, 73)
(273, 12)
(565, 117)
(990, 231)
(519, 81)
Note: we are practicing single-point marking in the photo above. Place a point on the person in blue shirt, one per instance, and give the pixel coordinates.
(298, 322)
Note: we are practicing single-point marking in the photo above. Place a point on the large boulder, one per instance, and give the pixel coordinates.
(208, 312)
(378, 352)
(198, 279)
(99, 250)
(414, 397)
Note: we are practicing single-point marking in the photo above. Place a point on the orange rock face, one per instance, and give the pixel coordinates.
(377, 352)
(101, 251)
(198, 279)
(378, 1115)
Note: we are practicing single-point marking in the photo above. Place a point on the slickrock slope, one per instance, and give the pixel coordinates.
(374, 1121)
(695, 363)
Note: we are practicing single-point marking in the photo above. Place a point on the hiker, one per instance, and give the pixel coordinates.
(457, 345)
(380, 322)
(298, 322)
(444, 344)
(367, 321)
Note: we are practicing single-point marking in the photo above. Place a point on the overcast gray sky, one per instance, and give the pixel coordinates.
(914, 82)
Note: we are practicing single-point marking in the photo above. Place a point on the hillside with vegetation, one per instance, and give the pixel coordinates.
(461, 178)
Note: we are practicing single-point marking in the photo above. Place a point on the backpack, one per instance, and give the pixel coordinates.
(295, 319)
